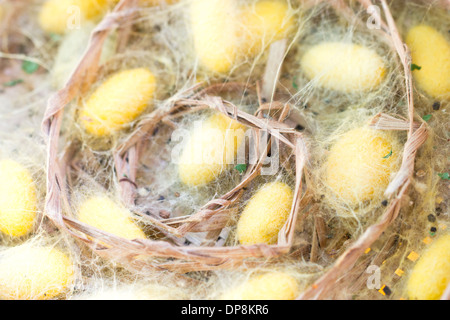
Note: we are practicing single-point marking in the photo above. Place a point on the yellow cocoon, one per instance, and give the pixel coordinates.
(360, 164)
(269, 286)
(59, 16)
(104, 214)
(265, 214)
(431, 275)
(18, 201)
(34, 273)
(224, 32)
(211, 147)
(431, 52)
(265, 22)
(214, 30)
(345, 67)
(118, 101)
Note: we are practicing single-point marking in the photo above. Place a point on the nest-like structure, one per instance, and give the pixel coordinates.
(134, 164)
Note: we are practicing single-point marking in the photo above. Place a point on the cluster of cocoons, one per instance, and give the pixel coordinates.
(265, 214)
(18, 200)
(118, 101)
(343, 67)
(211, 147)
(103, 213)
(225, 33)
(360, 164)
(31, 272)
(268, 286)
(431, 275)
(430, 52)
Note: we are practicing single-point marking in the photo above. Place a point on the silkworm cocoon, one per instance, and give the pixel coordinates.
(59, 16)
(215, 33)
(263, 23)
(211, 147)
(269, 286)
(431, 274)
(18, 201)
(430, 51)
(104, 214)
(30, 272)
(360, 164)
(265, 214)
(345, 67)
(118, 101)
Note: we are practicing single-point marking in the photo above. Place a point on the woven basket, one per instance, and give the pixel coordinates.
(214, 216)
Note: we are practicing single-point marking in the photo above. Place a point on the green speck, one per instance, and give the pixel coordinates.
(294, 84)
(388, 155)
(427, 117)
(432, 234)
(29, 66)
(12, 83)
(444, 176)
(415, 67)
(55, 37)
(241, 168)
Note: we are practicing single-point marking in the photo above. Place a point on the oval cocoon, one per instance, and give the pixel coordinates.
(431, 274)
(104, 214)
(345, 67)
(211, 147)
(59, 16)
(269, 286)
(215, 33)
(430, 50)
(18, 201)
(34, 273)
(264, 23)
(360, 164)
(265, 214)
(118, 101)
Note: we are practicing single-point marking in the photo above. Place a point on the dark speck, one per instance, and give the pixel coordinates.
(299, 127)
(263, 100)
(387, 291)
(433, 229)
(161, 198)
(436, 106)
(384, 203)
(431, 218)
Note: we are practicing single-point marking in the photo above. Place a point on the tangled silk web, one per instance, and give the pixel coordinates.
(238, 149)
